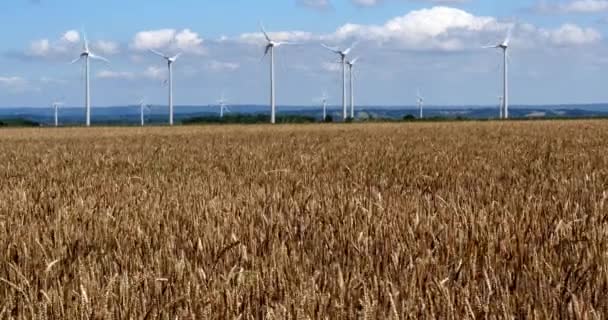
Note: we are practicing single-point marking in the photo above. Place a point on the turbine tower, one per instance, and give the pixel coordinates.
(142, 107)
(324, 101)
(500, 105)
(342, 54)
(420, 103)
(270, 46)
(85, 55)
(170, 62)
(504, 46)
(351, 64)
(56, 106)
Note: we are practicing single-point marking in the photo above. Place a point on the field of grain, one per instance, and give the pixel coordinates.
(374, 221)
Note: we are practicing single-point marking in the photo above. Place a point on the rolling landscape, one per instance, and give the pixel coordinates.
(157, 114)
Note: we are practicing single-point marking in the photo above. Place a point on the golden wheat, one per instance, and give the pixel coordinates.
(399, 221)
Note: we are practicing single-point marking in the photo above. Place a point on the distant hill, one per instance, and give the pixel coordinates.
(129, 115)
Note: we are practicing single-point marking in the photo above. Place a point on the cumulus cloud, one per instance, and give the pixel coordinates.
(106, 47)
(71, 36)
(439, 28)
(169, 39)
(67, 45)
(572, 35)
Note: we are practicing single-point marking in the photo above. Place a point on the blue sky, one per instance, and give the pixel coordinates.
(559, 50)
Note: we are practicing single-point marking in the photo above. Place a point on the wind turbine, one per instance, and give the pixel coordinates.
(142, 108)
(170, 62)
(270, 46)
(222, 104)
(323, 101)
(56, 106)
(351, 64)
(343, 54)
(420, 103)
(85, 55)
(504, 46)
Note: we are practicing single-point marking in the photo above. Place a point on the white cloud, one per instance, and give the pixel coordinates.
(572, 35)
(572, 6)
(169, 39)
(107, 74)
(13, 84)
(106, 47)
(439, 28)
(155, 73)
(294, 36)
(39, 48)
(67, 46)
(218, 66)
(71, 36)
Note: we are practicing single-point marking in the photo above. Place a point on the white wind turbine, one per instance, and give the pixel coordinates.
(56, 106)
(351, 64)
(343, 54)
(505, 48)
(223, 107)
(323, 100)
(270, 46)
(420, 103)
(142, 108)
(85, 55)
(170, 62)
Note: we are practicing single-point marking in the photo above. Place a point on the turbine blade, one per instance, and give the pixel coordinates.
(332, 49)
(175, 57)
(508, 38)
(265, 33)
(347, 51)
(76, 60)
(159, 54)
(268, 47)
(100, 58)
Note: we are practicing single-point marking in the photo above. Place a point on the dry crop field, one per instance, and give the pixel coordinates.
(371, 221)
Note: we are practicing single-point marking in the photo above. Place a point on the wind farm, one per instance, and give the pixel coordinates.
(373, 160)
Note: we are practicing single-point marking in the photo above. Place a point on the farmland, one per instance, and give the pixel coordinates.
(421, 220)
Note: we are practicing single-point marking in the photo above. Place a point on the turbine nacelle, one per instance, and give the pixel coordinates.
(170, 59)
(87, 53)
(353, 62)
(270, 43)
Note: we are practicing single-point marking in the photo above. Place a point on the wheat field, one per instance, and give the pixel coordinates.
(472, 220)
